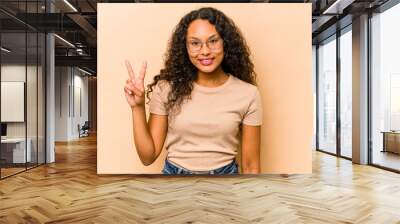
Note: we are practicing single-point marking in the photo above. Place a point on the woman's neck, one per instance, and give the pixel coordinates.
(212, 79)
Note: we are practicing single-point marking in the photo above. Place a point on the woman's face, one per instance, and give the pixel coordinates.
(204, 45)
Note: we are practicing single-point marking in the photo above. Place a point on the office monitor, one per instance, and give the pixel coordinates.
(3, 129)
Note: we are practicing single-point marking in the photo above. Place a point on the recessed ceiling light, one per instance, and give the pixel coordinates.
(5, 50)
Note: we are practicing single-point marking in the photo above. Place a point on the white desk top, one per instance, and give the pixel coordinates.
(13, 140)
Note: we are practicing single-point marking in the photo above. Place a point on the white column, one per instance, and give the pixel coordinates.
(50, 92)
(360, 90)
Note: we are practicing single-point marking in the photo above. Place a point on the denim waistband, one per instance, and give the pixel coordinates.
(170, 168)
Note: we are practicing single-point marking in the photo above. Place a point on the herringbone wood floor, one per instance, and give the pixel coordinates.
(69, 191)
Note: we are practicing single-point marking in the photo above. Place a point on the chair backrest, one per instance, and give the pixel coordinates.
(86, 124)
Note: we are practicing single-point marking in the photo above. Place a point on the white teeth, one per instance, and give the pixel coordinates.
(206, 61)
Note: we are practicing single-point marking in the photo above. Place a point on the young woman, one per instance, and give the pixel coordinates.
(204, 100)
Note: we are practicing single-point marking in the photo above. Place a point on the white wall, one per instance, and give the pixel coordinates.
(71, 93)
(12, 73)
(62, 81)
(81, 103)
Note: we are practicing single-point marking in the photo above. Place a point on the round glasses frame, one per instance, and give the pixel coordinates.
(215, 47)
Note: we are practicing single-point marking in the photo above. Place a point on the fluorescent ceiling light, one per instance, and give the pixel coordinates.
(337, 7)
(331, 7)
(84, 71)
(5, 50)
(65, 41)
(70, 5)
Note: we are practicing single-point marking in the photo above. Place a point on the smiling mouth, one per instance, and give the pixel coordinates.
(206, 62)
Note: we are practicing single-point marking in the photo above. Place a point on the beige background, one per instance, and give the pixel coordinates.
(279, 36)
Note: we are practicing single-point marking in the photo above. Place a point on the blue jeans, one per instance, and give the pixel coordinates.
(171, 169)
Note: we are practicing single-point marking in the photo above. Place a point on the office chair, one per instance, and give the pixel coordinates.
(84, 130)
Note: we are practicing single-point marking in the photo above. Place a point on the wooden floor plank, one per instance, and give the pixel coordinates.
(70, 191)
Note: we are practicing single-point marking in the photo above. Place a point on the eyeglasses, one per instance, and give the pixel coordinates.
(214, 44)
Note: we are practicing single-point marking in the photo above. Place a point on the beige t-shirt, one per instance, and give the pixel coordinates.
(204, 134)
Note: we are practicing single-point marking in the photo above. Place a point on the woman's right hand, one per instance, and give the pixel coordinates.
(134, 86)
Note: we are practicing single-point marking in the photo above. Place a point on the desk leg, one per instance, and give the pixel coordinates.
(384, 143)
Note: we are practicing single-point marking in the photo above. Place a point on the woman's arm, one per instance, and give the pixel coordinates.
(251, 149)
(149, 137)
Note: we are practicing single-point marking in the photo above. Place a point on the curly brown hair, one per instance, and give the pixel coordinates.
(178, 70)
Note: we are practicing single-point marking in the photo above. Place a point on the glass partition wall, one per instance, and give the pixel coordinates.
(345, 62)
(327, 95)
(334, 93)
(22, 78)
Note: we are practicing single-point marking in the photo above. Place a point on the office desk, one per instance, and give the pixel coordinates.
(13, 150)
(391, 141)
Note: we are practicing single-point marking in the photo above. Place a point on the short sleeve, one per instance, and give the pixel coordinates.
(158, 99)
(253, 115)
